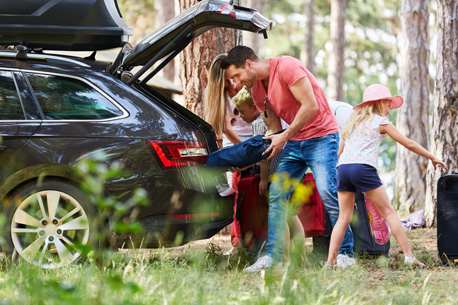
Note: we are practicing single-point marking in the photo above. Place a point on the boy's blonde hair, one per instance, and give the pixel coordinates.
(362, 114)
(243, 97)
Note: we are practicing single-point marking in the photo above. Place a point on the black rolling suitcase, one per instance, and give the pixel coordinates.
(447, 218)
(365, 243)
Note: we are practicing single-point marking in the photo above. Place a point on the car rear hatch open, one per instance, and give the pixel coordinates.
(175, 35)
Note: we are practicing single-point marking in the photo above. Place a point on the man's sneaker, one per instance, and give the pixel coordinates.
(344, 261)
(264, 262)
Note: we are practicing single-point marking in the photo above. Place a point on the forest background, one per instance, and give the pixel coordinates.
(348, 45)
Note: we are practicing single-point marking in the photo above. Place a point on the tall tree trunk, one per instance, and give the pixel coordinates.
(165, 10)
(444, 139)
(336, 57)
(412, 121)
(308, 52)
(196, 58)
(253, 40)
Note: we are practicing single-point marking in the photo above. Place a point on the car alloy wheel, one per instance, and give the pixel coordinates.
(46, 226)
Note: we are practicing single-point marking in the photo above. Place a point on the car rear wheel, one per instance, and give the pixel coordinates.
(49, 223)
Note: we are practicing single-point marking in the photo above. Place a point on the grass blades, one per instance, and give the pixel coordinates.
(205, 276)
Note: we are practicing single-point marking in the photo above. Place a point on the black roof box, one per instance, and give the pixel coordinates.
(81, 25)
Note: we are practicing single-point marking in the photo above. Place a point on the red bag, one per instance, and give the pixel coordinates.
(236, 233)
(250, 211)
(311, 214)
(254, 210)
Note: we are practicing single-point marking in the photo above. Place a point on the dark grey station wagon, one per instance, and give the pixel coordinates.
(58, 110)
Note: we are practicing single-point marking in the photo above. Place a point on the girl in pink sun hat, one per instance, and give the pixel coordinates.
(378, 92)
(357, 166)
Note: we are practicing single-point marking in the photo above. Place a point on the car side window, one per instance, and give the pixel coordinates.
(10, 104)
(65, 98)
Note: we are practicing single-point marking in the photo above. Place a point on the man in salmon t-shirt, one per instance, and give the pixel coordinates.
(282, 88)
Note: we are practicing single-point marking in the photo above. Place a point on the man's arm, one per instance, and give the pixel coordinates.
(303, 92)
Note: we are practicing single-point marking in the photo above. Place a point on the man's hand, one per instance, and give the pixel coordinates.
(278, 142)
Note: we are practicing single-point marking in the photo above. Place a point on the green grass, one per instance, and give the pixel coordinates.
(204, 276)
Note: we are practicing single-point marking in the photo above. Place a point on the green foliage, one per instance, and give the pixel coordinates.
(113, 216)
(371, 43)
(206, 277)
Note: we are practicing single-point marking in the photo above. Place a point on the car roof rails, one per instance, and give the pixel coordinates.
(23, 53)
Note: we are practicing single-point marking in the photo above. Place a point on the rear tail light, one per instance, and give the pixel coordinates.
(177, 154)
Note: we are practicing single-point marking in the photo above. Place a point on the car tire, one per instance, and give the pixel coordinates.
(49, 225)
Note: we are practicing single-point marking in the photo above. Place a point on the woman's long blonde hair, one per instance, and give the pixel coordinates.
(215, 97)
(362, 114)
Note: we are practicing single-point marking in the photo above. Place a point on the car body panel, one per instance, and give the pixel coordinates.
(183, 200)
(149, 116)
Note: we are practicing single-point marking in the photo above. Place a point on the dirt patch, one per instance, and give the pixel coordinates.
(422, 240)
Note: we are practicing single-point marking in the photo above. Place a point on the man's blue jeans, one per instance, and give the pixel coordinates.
(320, 154)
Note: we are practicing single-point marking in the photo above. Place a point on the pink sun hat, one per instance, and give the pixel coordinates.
(378, 92)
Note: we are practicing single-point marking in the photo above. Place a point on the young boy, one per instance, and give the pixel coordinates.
(250, 114)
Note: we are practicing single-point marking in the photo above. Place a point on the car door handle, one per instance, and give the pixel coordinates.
(2, 147)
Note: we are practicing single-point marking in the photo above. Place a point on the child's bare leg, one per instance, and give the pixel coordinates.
(346, 205)
(286, 244)
(381, 201)
(297, 232)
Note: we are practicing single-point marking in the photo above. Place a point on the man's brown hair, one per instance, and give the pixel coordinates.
(238, 57)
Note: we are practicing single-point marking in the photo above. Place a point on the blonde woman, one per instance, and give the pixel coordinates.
(229, 127)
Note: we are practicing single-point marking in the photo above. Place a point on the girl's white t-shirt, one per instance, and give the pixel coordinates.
(364, 143)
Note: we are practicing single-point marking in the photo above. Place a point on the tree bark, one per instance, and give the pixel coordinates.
(253, 40)
(197, 56)
(308, 52)
(412, 120)
(165, 10)
(336, 57)
(444, 139)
